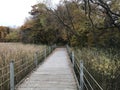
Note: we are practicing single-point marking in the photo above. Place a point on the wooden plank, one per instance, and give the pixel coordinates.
(54, 74)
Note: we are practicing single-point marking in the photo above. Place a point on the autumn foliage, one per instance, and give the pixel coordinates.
(69, 24)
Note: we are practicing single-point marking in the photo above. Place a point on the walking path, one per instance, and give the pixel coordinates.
(55, 73)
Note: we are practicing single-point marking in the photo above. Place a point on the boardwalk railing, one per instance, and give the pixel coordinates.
(84, 77)
(12, 74)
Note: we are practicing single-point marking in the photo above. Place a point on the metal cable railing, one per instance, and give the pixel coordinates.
(85, 78)
(4, 80)
(93, 78)
(88, 82)
(12, 74)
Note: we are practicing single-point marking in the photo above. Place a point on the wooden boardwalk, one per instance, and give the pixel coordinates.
(55, 73)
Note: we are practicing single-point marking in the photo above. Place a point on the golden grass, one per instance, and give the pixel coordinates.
(16, 51)
(23, 57)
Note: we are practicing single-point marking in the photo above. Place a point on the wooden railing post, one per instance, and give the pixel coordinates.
(81, 76)
(12, 87)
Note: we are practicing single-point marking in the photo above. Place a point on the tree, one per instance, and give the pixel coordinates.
(13, 37)
(42, 27)
(3, 32)
(76, 22)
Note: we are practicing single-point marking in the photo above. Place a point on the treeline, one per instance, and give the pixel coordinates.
(73, 22)
(43, 27)
(8, 34)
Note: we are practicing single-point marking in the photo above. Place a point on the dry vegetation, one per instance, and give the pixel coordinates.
(16, 51)
(24, 61)
(103, 64)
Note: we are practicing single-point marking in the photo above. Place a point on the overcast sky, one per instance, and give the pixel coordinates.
(14, 12)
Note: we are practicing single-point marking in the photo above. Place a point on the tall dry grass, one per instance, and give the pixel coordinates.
(23, 56)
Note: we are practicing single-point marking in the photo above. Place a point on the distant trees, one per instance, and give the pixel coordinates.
(8, 34)
(13, 36)
(76, 22)
(84, 23)
(98, 22)
(42, 27)
(104, 17)
(3, 32)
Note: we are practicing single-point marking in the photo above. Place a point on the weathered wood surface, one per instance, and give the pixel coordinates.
(54, 74)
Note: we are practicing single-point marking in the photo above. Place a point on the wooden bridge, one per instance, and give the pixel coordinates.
(55, 73)
(61, 70)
